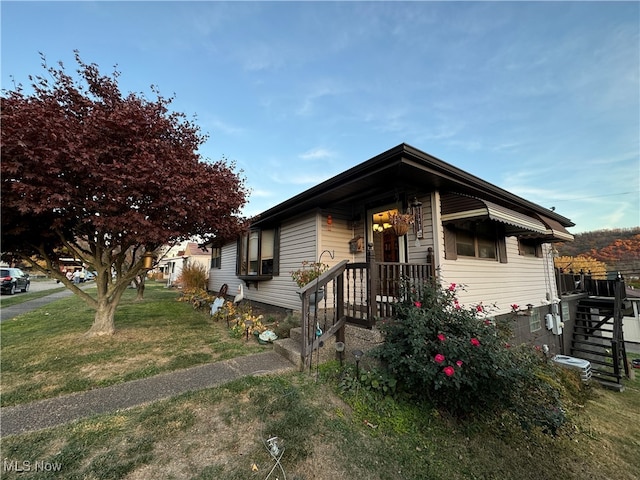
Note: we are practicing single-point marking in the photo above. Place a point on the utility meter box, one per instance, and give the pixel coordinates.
(584, 366)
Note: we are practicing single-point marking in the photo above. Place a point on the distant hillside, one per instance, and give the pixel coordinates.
(618, 248)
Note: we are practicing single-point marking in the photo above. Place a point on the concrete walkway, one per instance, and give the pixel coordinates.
(67, 408)
(7, 313)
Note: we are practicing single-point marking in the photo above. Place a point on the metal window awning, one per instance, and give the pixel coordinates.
(555, 231)
(460, 207)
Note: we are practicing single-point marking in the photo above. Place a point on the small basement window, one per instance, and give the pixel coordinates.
(535, 323)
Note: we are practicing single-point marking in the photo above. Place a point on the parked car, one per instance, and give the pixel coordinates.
(14, 280)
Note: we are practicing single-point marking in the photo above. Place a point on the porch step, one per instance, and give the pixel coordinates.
(356, 338)
(598, 354)
(606, 342)
(289, 349)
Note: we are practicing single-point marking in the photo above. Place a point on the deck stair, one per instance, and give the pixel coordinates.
(598, 338)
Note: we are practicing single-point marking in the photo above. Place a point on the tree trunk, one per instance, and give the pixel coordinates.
(140, 286)
(104, 320)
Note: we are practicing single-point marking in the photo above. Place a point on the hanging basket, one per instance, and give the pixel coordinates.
(401, 228)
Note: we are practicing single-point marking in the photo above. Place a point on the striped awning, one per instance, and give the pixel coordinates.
(460, 207)
(555, 231)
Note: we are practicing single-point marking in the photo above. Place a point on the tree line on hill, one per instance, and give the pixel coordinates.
(618, 249)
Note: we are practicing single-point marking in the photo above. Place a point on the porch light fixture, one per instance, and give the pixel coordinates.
(382, 222)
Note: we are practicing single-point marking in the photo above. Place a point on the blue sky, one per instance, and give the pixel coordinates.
(539, 98)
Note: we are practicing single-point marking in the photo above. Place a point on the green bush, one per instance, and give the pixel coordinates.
(461, 361)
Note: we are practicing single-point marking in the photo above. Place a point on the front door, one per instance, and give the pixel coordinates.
(387, 246)
(390, 250)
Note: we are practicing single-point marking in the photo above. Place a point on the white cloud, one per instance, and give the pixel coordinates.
(317, 154)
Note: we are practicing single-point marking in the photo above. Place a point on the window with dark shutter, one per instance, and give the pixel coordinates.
(258, 253)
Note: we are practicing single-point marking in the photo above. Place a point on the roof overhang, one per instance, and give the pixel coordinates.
(405, 169)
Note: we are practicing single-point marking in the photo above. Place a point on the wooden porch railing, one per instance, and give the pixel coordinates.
(322, 318)
(356, 293)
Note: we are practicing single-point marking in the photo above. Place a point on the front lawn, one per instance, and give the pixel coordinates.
(224, 432)
(44, 353)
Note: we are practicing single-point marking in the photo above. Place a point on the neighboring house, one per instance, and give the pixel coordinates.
(472, 233)
(174, 259)
(631, 321)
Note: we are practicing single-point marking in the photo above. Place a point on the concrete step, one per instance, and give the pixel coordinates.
(289, 349)
(296, 334)
(356, 338)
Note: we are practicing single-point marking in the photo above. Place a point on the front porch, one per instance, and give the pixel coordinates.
(356, 294)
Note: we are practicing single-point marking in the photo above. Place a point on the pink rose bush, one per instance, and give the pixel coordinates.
(459, 358)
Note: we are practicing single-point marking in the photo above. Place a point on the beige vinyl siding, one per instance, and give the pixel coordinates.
(227, 271)
(336, 238)
(419, 254)
(522, 280)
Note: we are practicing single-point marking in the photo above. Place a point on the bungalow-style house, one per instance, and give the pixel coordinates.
(461, 228)
(174, 258)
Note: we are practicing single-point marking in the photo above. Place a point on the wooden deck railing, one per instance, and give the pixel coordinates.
(569, 282)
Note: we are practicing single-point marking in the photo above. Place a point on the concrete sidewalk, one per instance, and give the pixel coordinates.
(68, 408)
(7, 313)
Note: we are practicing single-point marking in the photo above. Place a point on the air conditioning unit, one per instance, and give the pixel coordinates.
(584, 366)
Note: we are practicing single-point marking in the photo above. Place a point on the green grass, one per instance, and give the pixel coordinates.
(220, 433)
(44, 353)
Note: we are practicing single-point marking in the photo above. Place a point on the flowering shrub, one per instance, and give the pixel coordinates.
(238, 318)
(309, 272)
(197, 297)
(460, 360)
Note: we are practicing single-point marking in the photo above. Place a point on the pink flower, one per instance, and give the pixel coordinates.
(456, 305)
(439, 358)
(507, 345)
(441, 337)
(480, 308)
(487, 322)
(515, 307)
(452, 287)
(417, 304)
(459, 363)
(448, 371)
(475, 342)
